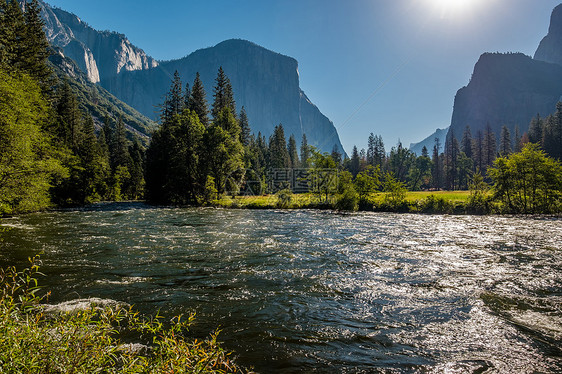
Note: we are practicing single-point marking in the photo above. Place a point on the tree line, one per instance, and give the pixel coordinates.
(50, 152)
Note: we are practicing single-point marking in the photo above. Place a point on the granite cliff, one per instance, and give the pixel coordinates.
(511, 88)
(98, 54)
(264, 82)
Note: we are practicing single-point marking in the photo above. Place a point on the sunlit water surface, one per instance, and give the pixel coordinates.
(302, 291)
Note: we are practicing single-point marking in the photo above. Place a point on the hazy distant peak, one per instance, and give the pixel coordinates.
(550, 48)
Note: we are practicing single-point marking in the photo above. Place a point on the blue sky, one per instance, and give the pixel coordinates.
(391, 67)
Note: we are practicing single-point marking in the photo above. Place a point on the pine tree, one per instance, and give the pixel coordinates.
(305, 152)
(399, 161)
(14, 33)
(198, 101)
(180, 143)
(120, 148)
(379, 154)
(93, 171)
(505, 142)
(451, 161)
(244, 128)
(425, 152)
(536, 129)
(293, 153)
(186, 96)
(69, 129)
(3, 33)
(478, 152)
(557, 132)
(466, 142)
(489, 147)
(107, 133)
(336, 155)
(37, 49)
(355, 162)
(135, 188)
(517, 142)
(174, 100)
(371, 150)
(436, 174)
(279, 156)
(223, 95)
(224, 152)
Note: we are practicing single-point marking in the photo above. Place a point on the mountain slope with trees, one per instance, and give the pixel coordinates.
(264, 82)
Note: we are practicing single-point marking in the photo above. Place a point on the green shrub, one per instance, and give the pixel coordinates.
(348, 200)
(284, 198)
(88, 340)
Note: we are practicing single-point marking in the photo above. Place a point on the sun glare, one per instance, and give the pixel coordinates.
(448, 8)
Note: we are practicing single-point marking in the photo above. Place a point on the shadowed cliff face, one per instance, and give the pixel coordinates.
(550, 48)
(511, 89)
(264, 82)
(506, 89)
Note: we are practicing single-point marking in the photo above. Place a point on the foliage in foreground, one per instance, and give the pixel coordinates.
(90, 340)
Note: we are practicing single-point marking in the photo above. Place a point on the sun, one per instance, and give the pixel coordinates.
(448, 8)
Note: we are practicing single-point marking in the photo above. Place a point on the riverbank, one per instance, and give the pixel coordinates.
(437, 202)
(95, 335)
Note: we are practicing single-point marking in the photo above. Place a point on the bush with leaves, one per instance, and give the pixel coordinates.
(284, 198)
(89, 340)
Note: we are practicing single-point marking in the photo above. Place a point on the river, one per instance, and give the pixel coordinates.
(318, 291)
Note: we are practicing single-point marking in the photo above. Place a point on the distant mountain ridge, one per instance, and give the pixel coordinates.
(266, 83)
(511, 88)
(429, 142)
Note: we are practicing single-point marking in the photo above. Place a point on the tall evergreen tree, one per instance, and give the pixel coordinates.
(371, 150)
(336, 156)
(355, 162)
(94, 166)
(4, 52)
(451, 161)
(536, 130)
(223, 95)
(557, 133)
(37, 49)
(379, 154)
(278, 154)
(399, 161)
(505, 142)
(489, 146)
(244, 128)
(186, 176)
(135, 188)
(517, 142)
(425, 152)
(174, 100)
(466, 142)
(69, 128)
(436, 174)
(13, 32)
(293, 152)
(305, 152)
(224, 152)
(198, 101)
(478, 152)
(120, 147)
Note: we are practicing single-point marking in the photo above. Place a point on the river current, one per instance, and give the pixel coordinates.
(318, 291)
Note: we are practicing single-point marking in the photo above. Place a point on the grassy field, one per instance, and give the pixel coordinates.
(299, 201)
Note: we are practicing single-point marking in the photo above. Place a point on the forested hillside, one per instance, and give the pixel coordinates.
(50, 152)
